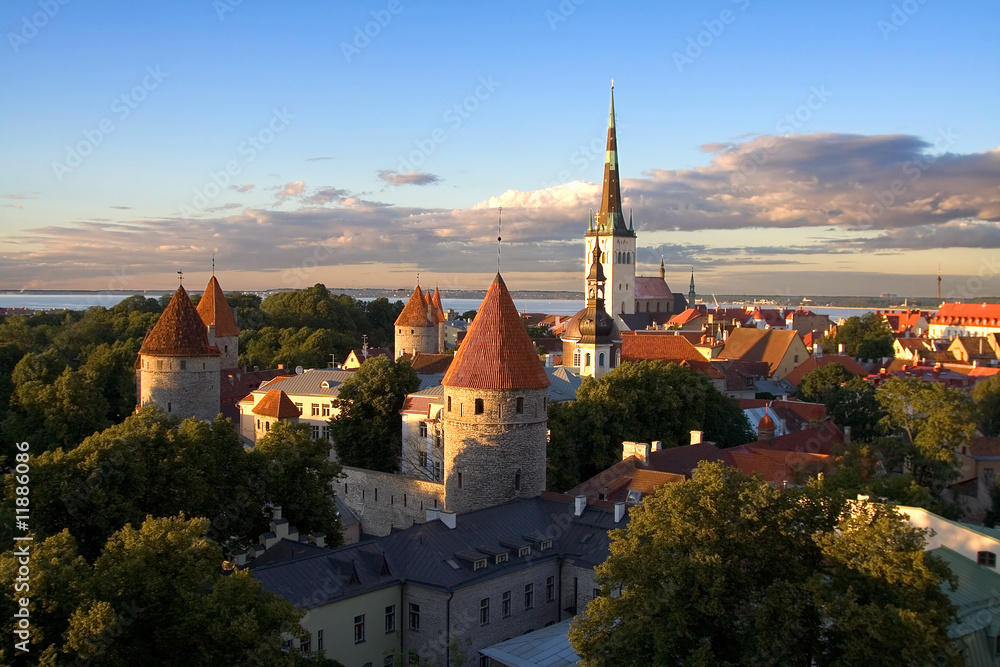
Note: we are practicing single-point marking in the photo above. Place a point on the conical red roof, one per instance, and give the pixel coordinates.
(437, 304)
(415, 312)
(180, 331)
(214, 309)
(276, 404)
(497, 352)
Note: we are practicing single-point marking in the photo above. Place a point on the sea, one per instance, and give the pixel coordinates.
(82, 301)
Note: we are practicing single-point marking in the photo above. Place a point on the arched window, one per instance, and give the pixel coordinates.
(618, 358)
(587, 360)
(600, 360)
(576, 358)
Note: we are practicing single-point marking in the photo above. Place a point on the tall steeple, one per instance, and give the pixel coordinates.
(611, 217)
(691, 293)
(663, 270)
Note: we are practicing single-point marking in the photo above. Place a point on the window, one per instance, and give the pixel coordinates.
(479, 406)
(479, 564)
(618, 358)
(600, 360)
(324, 432)
(529, 596)
(505, 604)
(388, 661)
(484, 661)
(299, 406)
(550, 589)
(359, 629)
(546, 544)
(184, 364)
(460, 480)
(390, 619)
(422, 459)
(315, 431)
(267, 424)
(586, 360)
(519, 408)
(326, 410)
(501, 558)
(795, 359)
(987, 558)
(597, 593)
(517, 480)
(319, 640)
(484, 611)
(449, 404)
(414, 659)
(576, 358)
(423, 429)
(523, 551)
(315, 409)
(437, 470)
(169, 407)
(414, 616)
(306, 645)
(159, 364)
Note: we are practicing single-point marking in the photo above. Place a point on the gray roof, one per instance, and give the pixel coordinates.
(547, 647)
(346, 514)
(429, 381)
(563, 384)
(310, 382)
(421, 553)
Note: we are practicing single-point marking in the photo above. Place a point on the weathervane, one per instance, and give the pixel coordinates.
(499, 238)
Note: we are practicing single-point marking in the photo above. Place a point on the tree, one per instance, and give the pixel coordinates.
(866, 337)
(822, 383)
(368, 431)
(644, 401)
(931, 422)
(728, 570)
(986, 394)
(850, 400)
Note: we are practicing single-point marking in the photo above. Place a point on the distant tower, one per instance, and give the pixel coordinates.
(615, 240)
(663, 270)
(221, 323)
(436, 303)
(415, 331)
(691, 293)
(939, 283)
(495, 415)
(590, 335)
(178, 368)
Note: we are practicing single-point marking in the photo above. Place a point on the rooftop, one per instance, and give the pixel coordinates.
(214, 309)
(179, 332)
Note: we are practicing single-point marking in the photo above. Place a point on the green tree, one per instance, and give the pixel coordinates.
(986, 394)
(727, 570)
(931, 422)
(850, 400)
(368, 431)
(819, 385)
(866, 337)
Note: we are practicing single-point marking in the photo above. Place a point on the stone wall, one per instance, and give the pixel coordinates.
(229, 349)
(416, 339)
(497, 455)
(191, 391)
(384, 501)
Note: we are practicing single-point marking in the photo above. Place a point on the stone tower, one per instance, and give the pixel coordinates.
(436, 303)
(495, 414)
(221, 323)
(615, 239)
(415, 330)
(179, 371)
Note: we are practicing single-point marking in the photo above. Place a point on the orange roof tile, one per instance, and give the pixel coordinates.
(180, 331)
(496, 352)
(214, 309)
(415, 312)
(969, 314)
(688, 315)
(664, 346)
(427, 363)
(437, 304)
(276, 404)
(768, 345)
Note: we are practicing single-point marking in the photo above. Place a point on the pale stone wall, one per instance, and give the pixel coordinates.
(193, 391)
(229, 349)
(384, 501)
(487, 454)
(336, 621)
(416, 339)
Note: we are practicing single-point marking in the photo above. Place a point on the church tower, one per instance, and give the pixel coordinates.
(610, 233)
(178, 369)
(221, 323)
(691, 292)
(495, 414)
(596, 327)
(416, 331)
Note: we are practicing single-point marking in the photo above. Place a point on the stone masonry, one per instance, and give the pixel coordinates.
(183, 386)
(384, 501)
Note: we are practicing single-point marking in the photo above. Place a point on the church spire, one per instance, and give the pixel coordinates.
(663, 270)
(691, 293)
(611, 218)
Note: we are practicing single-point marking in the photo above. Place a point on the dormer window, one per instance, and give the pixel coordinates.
(546, 544)
(479, 564)
(987, 558)
(501, 558)
(523, 551)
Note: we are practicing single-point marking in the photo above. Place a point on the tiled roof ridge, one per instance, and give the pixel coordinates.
(179, 331)
(214, 309)
(414, 313)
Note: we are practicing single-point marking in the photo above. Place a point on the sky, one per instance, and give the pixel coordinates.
(773, 148)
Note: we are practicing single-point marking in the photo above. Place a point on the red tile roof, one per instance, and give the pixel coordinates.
(437, 304)
(417, 405)
(496, 352)
(652, 288)
(180, 331)
(814, 362)
(414, 312)
(276, 404)
(968, 314)
(985, 446)
(214, 309)
(686, 316)
(768, 345)
(661, 345)
(427, 363)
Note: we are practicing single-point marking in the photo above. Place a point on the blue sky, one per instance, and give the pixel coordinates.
(365, 171)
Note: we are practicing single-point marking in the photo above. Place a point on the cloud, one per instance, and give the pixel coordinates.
(325, 196)
(22, 196)
(408, 177)
(317, 159)
(122, 208)
(14, 206)
(242, 188)
(293, 189)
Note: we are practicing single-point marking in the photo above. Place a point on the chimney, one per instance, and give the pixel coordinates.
(818, 350)
(448, 518)
(619, 511)
(640, 450)
(847, 435)
(840, 349)
(696, 437)
(433, 514)
(580, 505)
(549, 361)
(275, 511)
(281, 367)
(319, 539)
(657, 446)
(240, 557)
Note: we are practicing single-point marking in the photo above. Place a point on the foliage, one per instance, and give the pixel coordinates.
(154, 591)
(850, 400)
(866, 337)
(820, 384)
(642, 402)
(728, 570)
(986, 394)
(931, 423)
(367, 433)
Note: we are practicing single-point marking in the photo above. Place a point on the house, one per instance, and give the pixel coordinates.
(658, 345)
(921, 349)
(975, 350)
(360, 355)
(767, 318)
(965, 319)
(805, 321)
(692, 319)
(818, 360)
(906, 323)
(782, 350)
(312, 392)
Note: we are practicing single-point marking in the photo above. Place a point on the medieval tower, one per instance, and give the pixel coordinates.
(418, 327)
(221, 323)
(179, 370)
(615, 239)
(495, 412)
